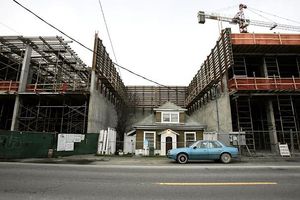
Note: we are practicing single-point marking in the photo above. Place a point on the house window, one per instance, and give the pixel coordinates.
(189, 138)
(149, 139)
(170, 117)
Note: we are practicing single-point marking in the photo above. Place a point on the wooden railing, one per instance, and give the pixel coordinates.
(268, 84)
(13, 86)
(9, 86)
(265, 39)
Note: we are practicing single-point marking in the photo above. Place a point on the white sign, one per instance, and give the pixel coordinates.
(65, 142)
(284, 150)
(61, 141)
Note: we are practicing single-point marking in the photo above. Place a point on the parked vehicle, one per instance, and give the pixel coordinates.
(204, 150)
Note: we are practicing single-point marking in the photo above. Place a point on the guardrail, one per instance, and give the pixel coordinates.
(13, 86)
(254, 83)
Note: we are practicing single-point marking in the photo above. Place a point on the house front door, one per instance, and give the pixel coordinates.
(168, 144)
(168, 141)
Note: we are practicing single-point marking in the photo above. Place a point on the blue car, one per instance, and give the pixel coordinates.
(204, 150)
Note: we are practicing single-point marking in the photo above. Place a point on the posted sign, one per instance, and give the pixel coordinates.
(284, 150)
(65, 142)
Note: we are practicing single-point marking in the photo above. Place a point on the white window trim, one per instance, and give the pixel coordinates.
(162, 117)
(185, 133)
(154, 133)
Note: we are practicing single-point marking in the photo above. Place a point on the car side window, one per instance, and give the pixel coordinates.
(215, 144)
(204, 144)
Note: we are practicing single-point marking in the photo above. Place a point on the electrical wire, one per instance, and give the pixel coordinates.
(142, 76)
(10, 28)
(84, 46)
(54, 27)
(108, 33)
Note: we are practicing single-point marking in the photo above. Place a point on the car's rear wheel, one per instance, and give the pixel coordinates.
(225, 158)
(182, 158)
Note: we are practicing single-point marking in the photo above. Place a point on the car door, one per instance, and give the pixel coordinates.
(215, 150)
(200, 151)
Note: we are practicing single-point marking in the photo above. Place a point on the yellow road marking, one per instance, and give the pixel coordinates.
(219, 184)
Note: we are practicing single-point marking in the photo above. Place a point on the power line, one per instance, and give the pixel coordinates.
(142, 76)
(10, 28)
(53, 26)
(110, 40)
(107, 30)
(136, 74)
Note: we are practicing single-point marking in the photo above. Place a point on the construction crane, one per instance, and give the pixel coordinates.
(243, 23)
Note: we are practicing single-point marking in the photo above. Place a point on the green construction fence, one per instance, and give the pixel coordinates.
(18, 144)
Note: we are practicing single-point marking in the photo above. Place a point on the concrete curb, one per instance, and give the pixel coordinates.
(122, 160)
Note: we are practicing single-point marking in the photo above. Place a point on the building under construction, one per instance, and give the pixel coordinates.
(251, 83)
(45, 87)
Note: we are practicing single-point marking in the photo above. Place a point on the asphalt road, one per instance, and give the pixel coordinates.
(191, 181)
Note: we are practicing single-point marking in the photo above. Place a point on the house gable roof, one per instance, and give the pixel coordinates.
(169, 106)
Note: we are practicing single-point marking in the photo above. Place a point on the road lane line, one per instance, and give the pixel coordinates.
(219, 184)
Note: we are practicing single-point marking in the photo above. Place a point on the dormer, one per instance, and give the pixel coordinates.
(169, 113)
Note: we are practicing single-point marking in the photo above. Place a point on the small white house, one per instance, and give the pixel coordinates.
(168, 127)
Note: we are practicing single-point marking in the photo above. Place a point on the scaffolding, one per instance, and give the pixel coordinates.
(56, 91)
(53, 114)
(55, 94)
(52, 62)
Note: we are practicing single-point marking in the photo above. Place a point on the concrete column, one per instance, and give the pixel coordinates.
(272, 127)
(25, 69)
(91, 120)
(264, 69)
(22, 87)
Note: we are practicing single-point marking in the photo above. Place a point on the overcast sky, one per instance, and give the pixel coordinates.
(159, 39)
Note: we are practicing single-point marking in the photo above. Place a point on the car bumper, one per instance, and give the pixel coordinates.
(171, 156)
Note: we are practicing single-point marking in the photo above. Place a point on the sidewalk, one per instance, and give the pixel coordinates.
(140, 160)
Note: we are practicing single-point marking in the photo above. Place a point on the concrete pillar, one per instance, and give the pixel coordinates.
(272, 127)
(264, 69)
(14, 122)
(22, 87)
(270, 117)
(25, 69)
(91, 114)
